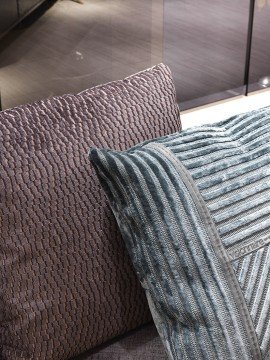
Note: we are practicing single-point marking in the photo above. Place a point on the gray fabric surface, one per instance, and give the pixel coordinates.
(194, 211)
(140, 344)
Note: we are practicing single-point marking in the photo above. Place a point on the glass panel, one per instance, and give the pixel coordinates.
(205, 46)
(70, 47)
(259, 76)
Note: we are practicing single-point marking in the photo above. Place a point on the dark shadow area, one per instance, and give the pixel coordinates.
(139, 344)
(27, 21)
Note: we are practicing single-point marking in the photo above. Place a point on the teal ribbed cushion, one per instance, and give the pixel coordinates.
(194, 212)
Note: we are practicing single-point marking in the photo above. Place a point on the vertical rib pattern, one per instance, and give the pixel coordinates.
(229, 163)
(194, 209)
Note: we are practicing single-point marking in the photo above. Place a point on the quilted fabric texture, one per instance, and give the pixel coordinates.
(66, 282)
(194, 210)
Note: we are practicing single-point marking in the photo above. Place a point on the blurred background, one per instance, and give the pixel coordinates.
(216, 49)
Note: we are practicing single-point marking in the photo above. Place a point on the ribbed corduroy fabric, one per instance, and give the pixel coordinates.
(194, 211)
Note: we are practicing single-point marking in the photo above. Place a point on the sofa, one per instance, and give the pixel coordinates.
(68, 289)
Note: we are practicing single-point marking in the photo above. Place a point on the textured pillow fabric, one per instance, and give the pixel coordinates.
(66, 282)
(194, 211)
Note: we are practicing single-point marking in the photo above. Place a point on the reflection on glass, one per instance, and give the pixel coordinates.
(260, 50)
(205, 45)
(69, 47)
(262, 3)
(265, 81)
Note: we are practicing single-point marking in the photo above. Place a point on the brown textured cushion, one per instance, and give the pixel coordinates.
(66, 281)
